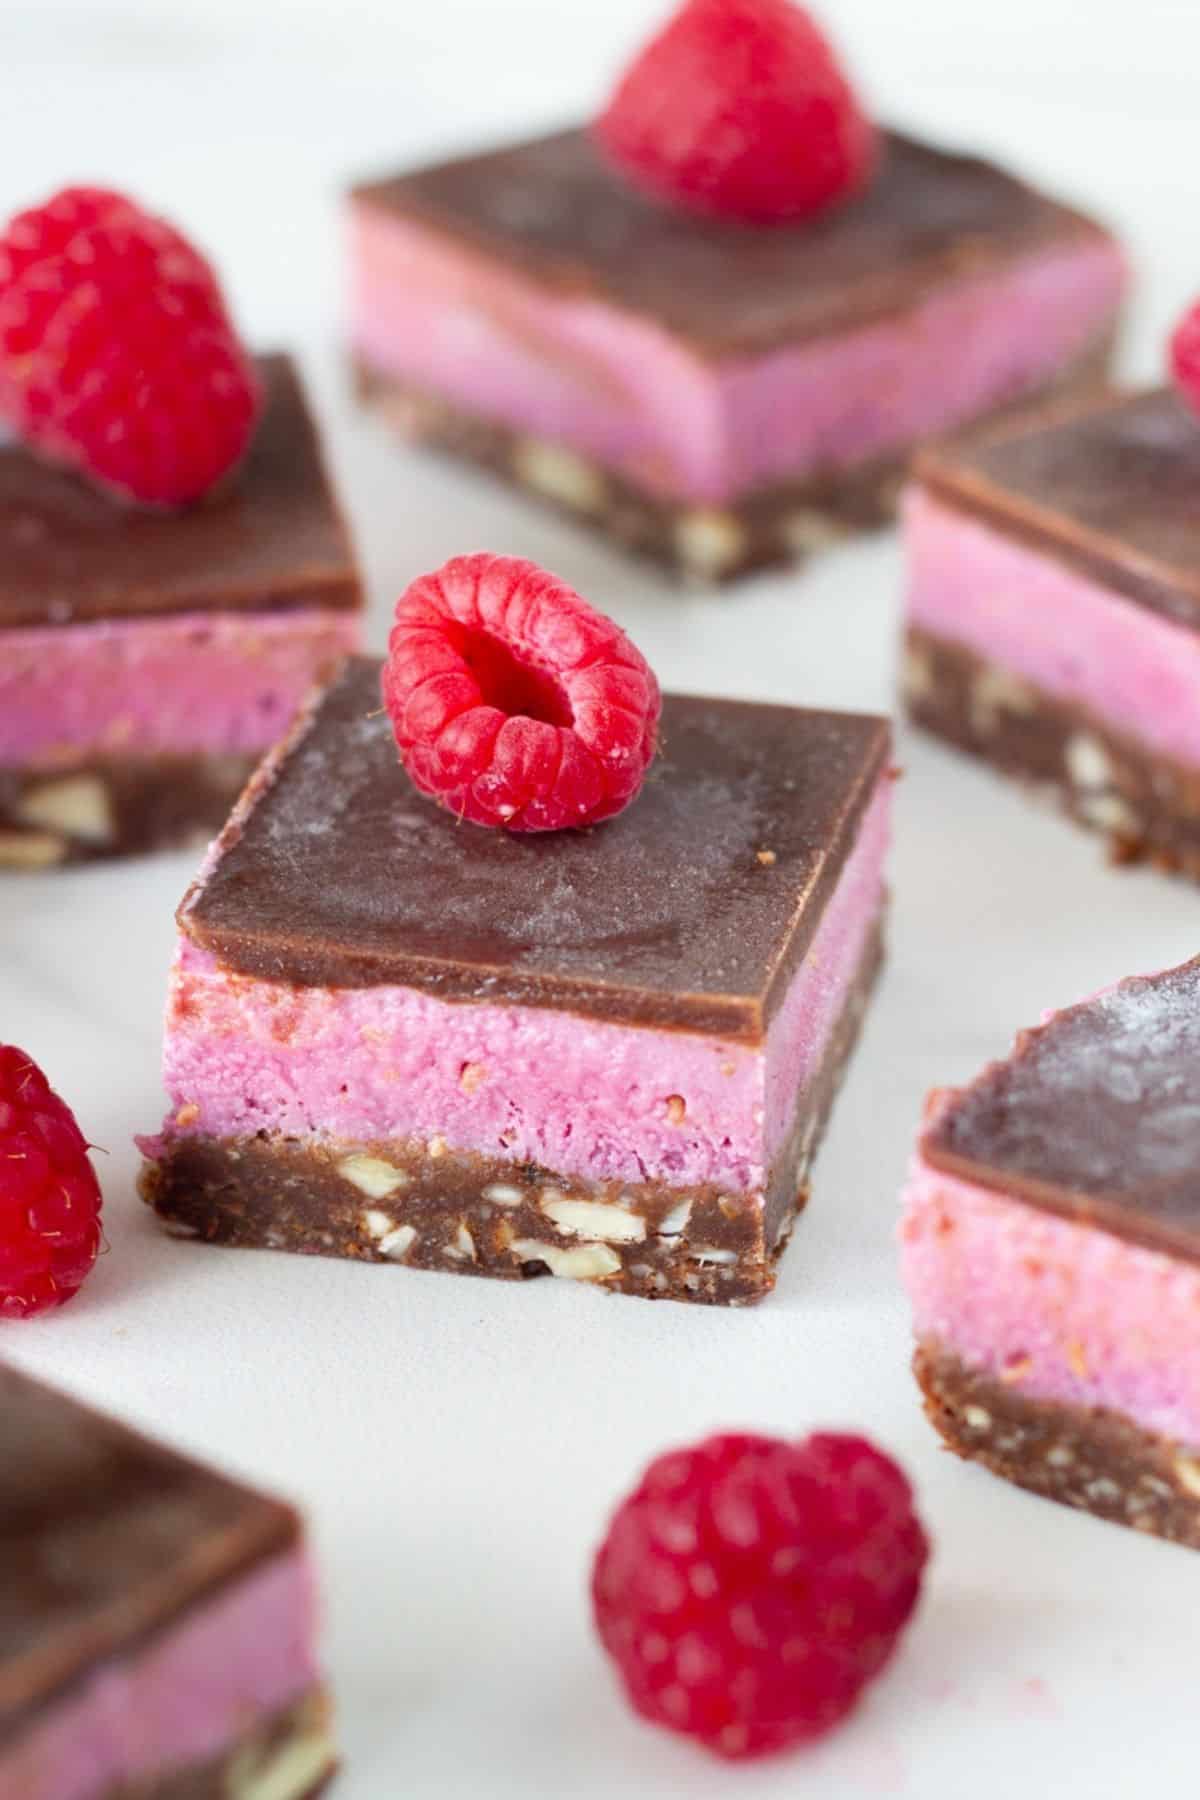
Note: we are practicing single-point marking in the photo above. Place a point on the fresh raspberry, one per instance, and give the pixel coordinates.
(740, 107)
(49, 1195)
(1185, 356)
(117, 354)
(513, 701)
(749, 1588)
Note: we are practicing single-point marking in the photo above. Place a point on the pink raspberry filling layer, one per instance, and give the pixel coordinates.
(186, 1698)
(1070, 637)
(195, 682)
(617, 388)
(1066, 1312)
(585, 1097)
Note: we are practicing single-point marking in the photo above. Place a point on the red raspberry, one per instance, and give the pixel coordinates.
(749, 1588)
(513, 701)
(117, 355)
(49, 1195)
(1185, 356)
(740, 107)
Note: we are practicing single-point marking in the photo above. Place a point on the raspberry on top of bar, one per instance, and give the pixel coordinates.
(605, 1054)
(1051, 1249)
(719, 395)
(1054, 613)
(156, 1619)
(147, 659)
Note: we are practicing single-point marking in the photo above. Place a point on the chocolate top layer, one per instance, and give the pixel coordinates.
(1095, 1116)
(334, 870)
(273, 539)
(104, 1539)
(554, 210)
(1113, 491)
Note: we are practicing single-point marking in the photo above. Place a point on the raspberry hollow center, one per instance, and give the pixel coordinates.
(517, 688)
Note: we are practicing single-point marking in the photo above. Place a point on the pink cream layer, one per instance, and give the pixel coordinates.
(201, 682)
(1068, 636)
(1065, 1312)
(578, 1095)
(186, 1698)
(616, 387)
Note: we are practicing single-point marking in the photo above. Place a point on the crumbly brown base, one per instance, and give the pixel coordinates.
(106, 806)
(1084, 1457)
(1146, 805)
(257, 1764)
(778, 525)
(432, 1208)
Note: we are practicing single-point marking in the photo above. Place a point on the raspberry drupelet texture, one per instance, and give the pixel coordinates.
(740, 107)
(749, 1588)
(1184, 356)
(117, 354)
(49, 1195)
(514, 702)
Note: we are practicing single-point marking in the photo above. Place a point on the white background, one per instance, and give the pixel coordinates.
(457, 1444)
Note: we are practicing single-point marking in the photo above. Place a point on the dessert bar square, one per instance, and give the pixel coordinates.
(605, 1055)
(1054, 614)
(148, 659)
(156, 1620)
(718, 395)
(1051, 1248)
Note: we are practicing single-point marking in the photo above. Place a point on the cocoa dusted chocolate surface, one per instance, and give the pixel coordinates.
(690, 910)
(104, 1538)
(272, 539)
(1111, 491)
(555, 211)
(1095, 1116)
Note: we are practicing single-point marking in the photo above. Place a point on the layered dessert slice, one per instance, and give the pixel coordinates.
(156, 1620)
(148, 659)
(1051, 1249)
(1054, 614)
(721, 395)
(606, 1055)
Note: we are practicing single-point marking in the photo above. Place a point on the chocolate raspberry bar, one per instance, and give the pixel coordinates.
(717, 394)
(156, 1620)
(148, 659)
(1051, 1248)
(606, 1055)
(1054, 614)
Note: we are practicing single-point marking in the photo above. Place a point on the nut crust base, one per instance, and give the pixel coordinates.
(1146, 805)
(1085, 1457)
(106, 806)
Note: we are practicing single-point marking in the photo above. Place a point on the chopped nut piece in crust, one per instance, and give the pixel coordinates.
(31, 849)
(371, 1175)
(587, 1262)
(675, 1223)
(75, 804)
(593, 1219)
(463, 1247)
(709, 542)
(1187, 1473)
(500, 1194)
(398, 1243)
(560, 475)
